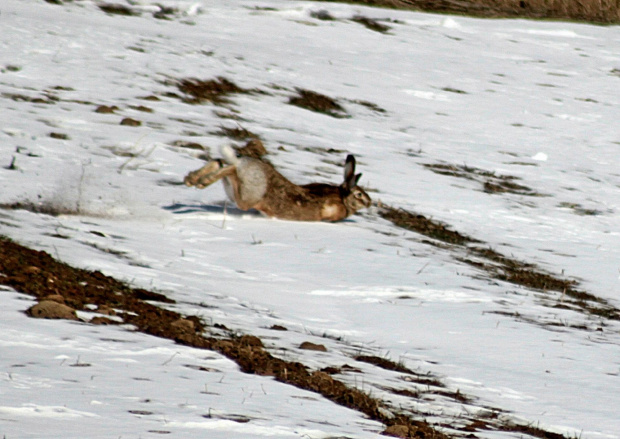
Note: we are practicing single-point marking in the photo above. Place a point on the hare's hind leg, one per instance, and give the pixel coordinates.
(234, 188)
(195, 177)
(208, 174)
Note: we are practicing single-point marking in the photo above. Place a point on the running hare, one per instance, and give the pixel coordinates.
(254, 183)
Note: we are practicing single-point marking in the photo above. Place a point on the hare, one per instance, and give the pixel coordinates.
(255, 184)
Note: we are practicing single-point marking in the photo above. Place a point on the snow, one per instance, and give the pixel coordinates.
(534, 100)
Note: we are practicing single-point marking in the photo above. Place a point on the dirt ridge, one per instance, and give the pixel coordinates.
(39, 275)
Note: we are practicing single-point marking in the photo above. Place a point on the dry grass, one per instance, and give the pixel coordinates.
(597, 11)
(603, 11)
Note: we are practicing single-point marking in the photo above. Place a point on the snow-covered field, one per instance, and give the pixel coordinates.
(539, 101)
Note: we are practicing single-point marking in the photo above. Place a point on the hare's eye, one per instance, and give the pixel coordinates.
(358, 195)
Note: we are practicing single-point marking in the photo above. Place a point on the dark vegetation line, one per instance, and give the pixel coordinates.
(501, 267)
(62, 289)
(593, 11)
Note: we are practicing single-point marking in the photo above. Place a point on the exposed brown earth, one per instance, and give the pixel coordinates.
(490, 181)
(62, 289)
(216, 91)
(36, 273)
(317, 102)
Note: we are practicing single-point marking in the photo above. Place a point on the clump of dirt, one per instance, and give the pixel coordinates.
(216, 91)
(317, 102)
(142, 108)
(371, 24)
(128, 121)
(59, 136)
(106, 109)
(117, 9)
(492, 183)
(309, 346)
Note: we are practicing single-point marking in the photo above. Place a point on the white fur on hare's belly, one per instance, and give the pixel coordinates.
(330, 211)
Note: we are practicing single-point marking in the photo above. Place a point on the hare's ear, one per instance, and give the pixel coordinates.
(357, 178)
(350, 179)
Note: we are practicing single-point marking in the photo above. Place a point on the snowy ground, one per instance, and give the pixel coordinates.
(534, 100)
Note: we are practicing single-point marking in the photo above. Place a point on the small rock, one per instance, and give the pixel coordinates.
(278, 328)
(141, 108)
(106, 109)
(312, 347)
(49, 309)
(128, 121)
(59, 136)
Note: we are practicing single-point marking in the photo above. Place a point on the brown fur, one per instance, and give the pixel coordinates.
(255, 184)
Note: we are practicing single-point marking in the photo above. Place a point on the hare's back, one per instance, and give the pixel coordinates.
(322, 190)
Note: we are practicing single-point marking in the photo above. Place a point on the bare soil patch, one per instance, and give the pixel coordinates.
(317, 102)
(198, 91)
(236, 133)
(423, 225)
(491, 182)
(37, 274)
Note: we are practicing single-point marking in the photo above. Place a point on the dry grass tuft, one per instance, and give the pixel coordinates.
(596, 11)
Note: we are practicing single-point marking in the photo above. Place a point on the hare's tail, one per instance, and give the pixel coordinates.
(229, 155)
